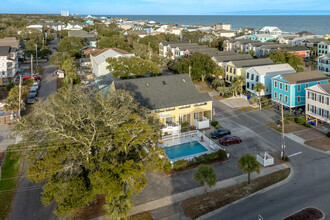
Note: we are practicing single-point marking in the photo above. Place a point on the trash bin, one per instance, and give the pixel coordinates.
(248, 97)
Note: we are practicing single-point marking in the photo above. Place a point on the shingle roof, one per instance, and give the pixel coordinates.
(296, 48)
(250, 63)
(4, 50)
(258, 44)
(102, 55)
(174, 42)
(275, 46)
(274, 68)
(233, 57)
(10, 41)
(301, 77)
(325, 87)
(163, 91)
(221, 53)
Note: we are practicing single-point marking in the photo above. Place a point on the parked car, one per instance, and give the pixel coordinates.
(32, 99)
(35, 77)
(35, 85)
(227, 140)
(34, 91)
(220, 133)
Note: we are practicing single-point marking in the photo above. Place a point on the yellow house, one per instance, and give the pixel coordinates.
(173, 98)
(237, 68)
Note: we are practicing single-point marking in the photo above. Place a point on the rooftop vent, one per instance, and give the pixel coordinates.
(183, 80)
(164, 83)
(147, 85)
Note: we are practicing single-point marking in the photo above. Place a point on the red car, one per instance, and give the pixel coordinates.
(35, 77)
(227, 140)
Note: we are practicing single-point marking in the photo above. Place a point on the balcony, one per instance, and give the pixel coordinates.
(201, 124)
(171, 128)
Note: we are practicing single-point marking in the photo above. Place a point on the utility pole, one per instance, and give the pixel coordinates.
(282, 136)
(19, 97)
(31, 65)
(189, 71)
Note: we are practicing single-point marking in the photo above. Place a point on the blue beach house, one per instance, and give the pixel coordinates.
(290, 88)
(323, 48)
(261, 37)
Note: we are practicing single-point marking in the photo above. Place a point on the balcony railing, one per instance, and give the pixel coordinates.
(171, 128)
(201, 124)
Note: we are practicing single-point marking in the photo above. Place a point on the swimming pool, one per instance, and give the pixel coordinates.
(186, 149)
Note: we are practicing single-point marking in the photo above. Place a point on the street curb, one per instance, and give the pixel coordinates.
(309, 147)
(286, 180)
(323, 217)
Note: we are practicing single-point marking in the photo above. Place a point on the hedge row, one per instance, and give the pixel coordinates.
(205, 158)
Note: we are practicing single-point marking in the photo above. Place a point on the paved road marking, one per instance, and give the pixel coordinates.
(286, 166)
(295, 154)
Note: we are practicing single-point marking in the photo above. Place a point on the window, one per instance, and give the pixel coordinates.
(247, 75)
(275, 84)
(227, 77)
(286, 87)
(231, 78)
(281, 97)
(318, 82)
(195, 115)
(227, 68)
(252, 86)
(320, 111)
(183, 107)
(257, 78)
(327, 101)
(252, 76)
(298, 99)
(308, 94)
(322, 99)
(275, 94)
(248, 85)
(286, 98)
(298, 88)
(231, 69)
(306, 85)
(281, 86)
(234, 71)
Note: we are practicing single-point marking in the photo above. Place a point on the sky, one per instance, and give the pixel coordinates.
(168, 7)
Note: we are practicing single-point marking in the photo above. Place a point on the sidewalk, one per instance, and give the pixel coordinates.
(179, 197)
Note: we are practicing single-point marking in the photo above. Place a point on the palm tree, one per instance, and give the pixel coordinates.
(206, 176)
(217, 83)
(118, 207)
(219, 72)
(235, 88)
(259, 87)
(249, 164)
(222, 90)
(254, 100)
(240, 81)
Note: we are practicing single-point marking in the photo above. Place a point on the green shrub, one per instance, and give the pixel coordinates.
(286, 159)
(300, 120)
(168, 166)
(289, 117)
(180, 164)
(328, 134)
(218, 126)
(222, 155)
(308, 125)
(228, 95)
(212, 156)
(214, 123)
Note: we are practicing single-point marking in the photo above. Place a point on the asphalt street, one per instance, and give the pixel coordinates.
(308, 187)
(27, 204)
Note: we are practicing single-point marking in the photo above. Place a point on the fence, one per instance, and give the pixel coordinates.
(267, 160)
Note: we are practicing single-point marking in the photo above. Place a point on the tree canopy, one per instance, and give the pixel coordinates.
(201, 66)
(248, 163)
(83, 144)
(115, 41)
(206, 176)
(58, 58)
(279, 56)
(127, 66)
(71, 45)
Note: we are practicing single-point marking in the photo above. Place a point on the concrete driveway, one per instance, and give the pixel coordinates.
(235, 102)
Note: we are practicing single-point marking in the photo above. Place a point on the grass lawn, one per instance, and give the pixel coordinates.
(200, 205)
(289, 126)
(319, 143)
(11, 168)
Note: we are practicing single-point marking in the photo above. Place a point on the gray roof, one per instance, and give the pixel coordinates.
(163, 91)
(174, 42)
(110, 53)
(4, 50)
(302, 77)
(314, 40)
(253, 62)
(296, 48)
(273, 68)
(326, 42)
(233, 57)
(275, 46)
(325, 87)
(220, 53)
(259, 43)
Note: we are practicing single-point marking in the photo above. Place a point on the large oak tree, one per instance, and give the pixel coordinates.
(83, 144)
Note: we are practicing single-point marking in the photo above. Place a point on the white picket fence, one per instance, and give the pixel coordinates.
(267, 160)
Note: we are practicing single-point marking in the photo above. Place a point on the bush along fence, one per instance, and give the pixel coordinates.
(179, 165)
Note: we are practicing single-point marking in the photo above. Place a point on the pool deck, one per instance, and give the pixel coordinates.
(187, 139)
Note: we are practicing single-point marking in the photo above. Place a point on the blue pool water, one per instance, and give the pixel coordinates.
(186, 149)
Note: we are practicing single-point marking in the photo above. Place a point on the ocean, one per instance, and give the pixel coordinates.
(287, 23)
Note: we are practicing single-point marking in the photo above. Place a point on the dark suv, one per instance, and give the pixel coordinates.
(220, 133)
